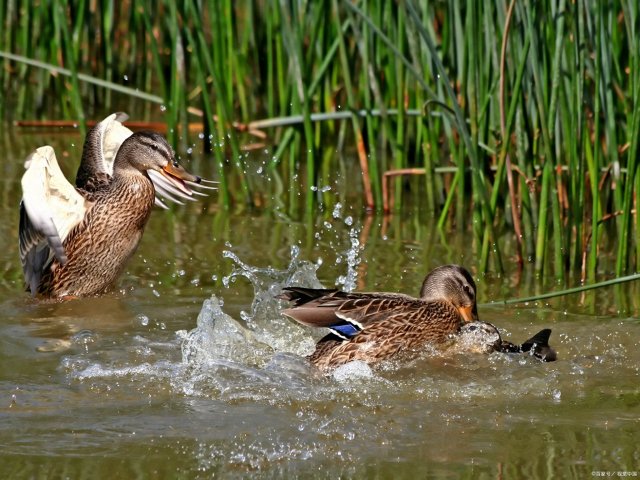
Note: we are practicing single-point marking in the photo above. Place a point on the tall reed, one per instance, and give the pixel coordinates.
(530, 109)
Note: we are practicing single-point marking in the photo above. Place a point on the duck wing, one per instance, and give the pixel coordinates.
(100, 148)
(49, 209)
(537, 346)
(347, 314)
(314, 307)
(301, 295)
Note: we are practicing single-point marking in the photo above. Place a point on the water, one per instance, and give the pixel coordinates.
(187, 369)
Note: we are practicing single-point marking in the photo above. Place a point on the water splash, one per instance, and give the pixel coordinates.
(352, 370)
(263, 318)
(259, 356)
(262, 349)
(218, 336)
(348, 281)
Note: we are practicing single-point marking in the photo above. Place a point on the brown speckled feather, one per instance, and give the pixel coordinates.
(100, 246)
(377, 326)
(390, 333)
(323, 307)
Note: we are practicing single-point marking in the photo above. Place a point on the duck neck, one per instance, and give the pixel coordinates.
(133, 191)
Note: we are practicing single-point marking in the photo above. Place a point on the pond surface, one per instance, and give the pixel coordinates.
(187, 370)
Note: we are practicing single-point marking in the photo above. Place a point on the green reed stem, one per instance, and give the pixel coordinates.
(392, 46)
(633, 138)
(371, 88)
(60, 22)
(568, 291)
(571, 73)
(300, 99)
(624, 247)
(349, 89)
(210, 124)
(157, 62)
(213, 59)
(479, 191)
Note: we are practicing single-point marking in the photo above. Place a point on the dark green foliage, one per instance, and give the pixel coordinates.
(570, 110)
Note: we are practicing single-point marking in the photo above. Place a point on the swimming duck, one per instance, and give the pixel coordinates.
(75, 241)
(483, 337)
(376, 326)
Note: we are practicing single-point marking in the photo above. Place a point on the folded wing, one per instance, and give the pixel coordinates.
(347, 314)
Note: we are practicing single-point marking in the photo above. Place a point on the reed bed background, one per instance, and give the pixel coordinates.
(520, 117)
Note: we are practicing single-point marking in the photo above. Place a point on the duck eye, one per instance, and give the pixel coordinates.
(468, 290)
(176, 164)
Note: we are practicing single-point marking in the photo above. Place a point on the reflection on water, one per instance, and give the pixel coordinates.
(187, 369)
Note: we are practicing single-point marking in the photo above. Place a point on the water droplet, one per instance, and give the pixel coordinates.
(337, 210)
(143, 320)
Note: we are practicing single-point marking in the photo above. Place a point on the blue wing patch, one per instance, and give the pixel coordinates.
(345, 330)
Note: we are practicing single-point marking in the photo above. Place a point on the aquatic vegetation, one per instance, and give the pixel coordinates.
(518, 116)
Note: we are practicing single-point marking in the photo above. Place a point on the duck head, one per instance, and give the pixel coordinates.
(452, 284)
(149, 152)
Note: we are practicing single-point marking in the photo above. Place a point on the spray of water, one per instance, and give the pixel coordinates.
(261, 334)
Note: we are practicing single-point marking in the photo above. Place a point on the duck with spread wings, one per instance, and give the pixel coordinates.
(75, 241)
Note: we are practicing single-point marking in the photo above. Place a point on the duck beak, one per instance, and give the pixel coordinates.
(178, 175)
(174, 183)
(469, 313)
